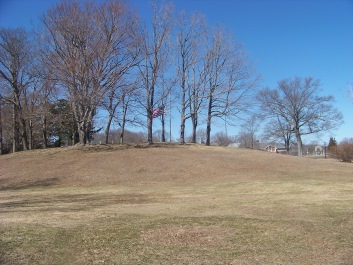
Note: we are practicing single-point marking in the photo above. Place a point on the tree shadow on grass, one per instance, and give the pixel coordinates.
(70, 202)
(6, 185)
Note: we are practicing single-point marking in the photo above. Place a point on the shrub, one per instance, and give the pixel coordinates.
(344, 151)
(222, 139)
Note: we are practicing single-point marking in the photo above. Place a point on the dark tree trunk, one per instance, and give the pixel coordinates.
(111, 110)
(163, 129)
(30, 135)
(107, 129)
(24, 134)
(182, 130)
(44, 132)
(299, 142)
(182, 114)
(150, 102)
(209, 117)
(15, 130)
(149, 127)
(82, 136)
(194, 127)
(123, 122)
(122, 133)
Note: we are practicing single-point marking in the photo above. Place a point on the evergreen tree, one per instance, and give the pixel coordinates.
(332, 145)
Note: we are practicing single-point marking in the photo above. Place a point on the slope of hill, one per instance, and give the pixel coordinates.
(134, 164)
(172, 204)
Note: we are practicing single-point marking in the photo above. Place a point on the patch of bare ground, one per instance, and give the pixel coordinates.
(173, 204)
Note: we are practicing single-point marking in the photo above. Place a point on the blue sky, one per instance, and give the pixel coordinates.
(284, 38)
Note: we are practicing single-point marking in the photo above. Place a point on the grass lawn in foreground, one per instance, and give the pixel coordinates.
(174, 205)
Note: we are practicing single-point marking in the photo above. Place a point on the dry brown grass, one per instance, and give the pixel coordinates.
(174, 204)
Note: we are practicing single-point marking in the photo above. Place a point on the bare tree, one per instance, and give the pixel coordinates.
(89, 48)
(278, 129)
(246, 140)
(16, 77)
(223, 139)
(7, 126)
(197, 94)
(127, 113)
(118, 96)
(155, 51)
(250, 130)
(189, 37)
(202, 135)
(299, 103)
(47, 94)
(229, 79)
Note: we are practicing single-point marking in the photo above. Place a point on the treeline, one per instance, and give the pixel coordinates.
(88, 57)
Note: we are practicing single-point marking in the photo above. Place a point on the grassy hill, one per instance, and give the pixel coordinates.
(172, 204)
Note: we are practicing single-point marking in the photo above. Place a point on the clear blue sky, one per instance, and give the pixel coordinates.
(284, 38)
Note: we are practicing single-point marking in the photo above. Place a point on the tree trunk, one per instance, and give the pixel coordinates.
(111, 111)
(287, 147)
(193, 111)
(163, 129)
(182, 114)
(299, 143)
(89, 128)
(194, 134)
(194, 127)
(24, 135)
(122, 133)
(150, 102)
(182, 130)
(208, 133)
(82, 132)
(44, 132)
(149, 127)
(209, 117)
(85, 125)
(15, 130)
(74, 134)
(107, 129)
(30, 135)
(287, 144)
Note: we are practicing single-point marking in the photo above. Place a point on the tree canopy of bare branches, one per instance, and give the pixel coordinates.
(89, 47)
(229, 78)
(190, 35)
(16, 76)
(299, 103)
(101, 57)
(278, 129)
(154, 48)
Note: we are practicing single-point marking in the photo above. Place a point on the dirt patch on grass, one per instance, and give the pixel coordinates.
(188, 236)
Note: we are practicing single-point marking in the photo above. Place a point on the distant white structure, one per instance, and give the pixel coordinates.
(318, 150)
(234, 145)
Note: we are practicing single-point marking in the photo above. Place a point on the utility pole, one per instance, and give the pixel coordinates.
(170, 117)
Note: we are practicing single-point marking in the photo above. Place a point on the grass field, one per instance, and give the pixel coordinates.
(173, 205)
